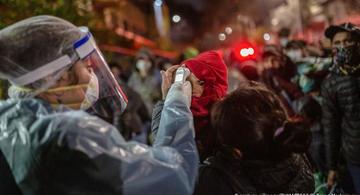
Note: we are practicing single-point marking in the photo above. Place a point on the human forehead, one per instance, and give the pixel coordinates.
(341, 36)
(143, 57)
(81, 64)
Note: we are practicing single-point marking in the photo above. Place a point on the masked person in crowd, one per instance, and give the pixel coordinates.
(52, 149)
(311, 70)
(278, 70)
(135, 116)
(296, 50)
(301, 51)
(260, 149)
(209, 80)
(311, 74)
(284, 35)
(146, 79)
(341, 102)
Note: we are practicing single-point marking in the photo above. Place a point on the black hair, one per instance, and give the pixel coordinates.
(253, 120)
(113, 64)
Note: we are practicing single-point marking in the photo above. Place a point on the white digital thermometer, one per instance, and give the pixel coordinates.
(181, 74)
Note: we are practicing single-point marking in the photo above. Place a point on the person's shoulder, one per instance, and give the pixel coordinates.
(82, 120)
(78, 127)
(211, 181)
(331, 79)
(23, 111)
(26, 103)
(209, 172)
(337, 82)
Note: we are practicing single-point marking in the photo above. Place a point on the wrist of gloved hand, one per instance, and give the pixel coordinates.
(178, 89)
(187, 90)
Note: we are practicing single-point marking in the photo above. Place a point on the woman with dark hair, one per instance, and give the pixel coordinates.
(260, 150)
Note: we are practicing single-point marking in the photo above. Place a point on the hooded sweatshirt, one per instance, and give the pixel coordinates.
(210, 68)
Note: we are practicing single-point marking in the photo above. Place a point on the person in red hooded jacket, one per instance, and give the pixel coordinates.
(209, 84)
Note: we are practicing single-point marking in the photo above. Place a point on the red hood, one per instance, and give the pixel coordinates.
(210, 67)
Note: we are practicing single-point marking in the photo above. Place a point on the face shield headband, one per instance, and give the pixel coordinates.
(84, 49)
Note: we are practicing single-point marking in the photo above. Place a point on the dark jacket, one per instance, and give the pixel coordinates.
(135, 116)
(7, 182)
(341, 118)
(226, 176)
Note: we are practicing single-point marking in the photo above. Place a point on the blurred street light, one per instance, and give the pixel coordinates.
(176, 18)
(267, 37)
(251, 51)
(222, 36)
(228, 30)
(245, 52)
(158, 3)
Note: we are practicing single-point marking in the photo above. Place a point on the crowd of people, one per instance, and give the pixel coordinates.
(73, 123)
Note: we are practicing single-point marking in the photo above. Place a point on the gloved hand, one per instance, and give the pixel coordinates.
(167, 79)
(187, 89)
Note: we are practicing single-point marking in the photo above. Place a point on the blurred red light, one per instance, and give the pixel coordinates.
(244, 50)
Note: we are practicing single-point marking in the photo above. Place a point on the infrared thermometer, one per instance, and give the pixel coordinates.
(181, 74)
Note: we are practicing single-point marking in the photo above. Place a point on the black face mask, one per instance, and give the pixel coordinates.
(347, 55)
(347, 59)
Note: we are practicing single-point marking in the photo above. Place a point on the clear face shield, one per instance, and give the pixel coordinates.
(86, 81)
(110, 97)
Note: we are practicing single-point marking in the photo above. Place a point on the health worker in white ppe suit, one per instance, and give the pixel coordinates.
(53, 134)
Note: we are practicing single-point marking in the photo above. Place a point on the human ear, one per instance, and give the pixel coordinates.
(66, 78)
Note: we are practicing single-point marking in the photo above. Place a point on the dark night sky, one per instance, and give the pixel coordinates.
(205, 15)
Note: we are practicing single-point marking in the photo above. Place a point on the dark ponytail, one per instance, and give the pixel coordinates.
(293, 137)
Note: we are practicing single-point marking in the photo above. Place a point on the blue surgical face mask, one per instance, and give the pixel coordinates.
(143, 66)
